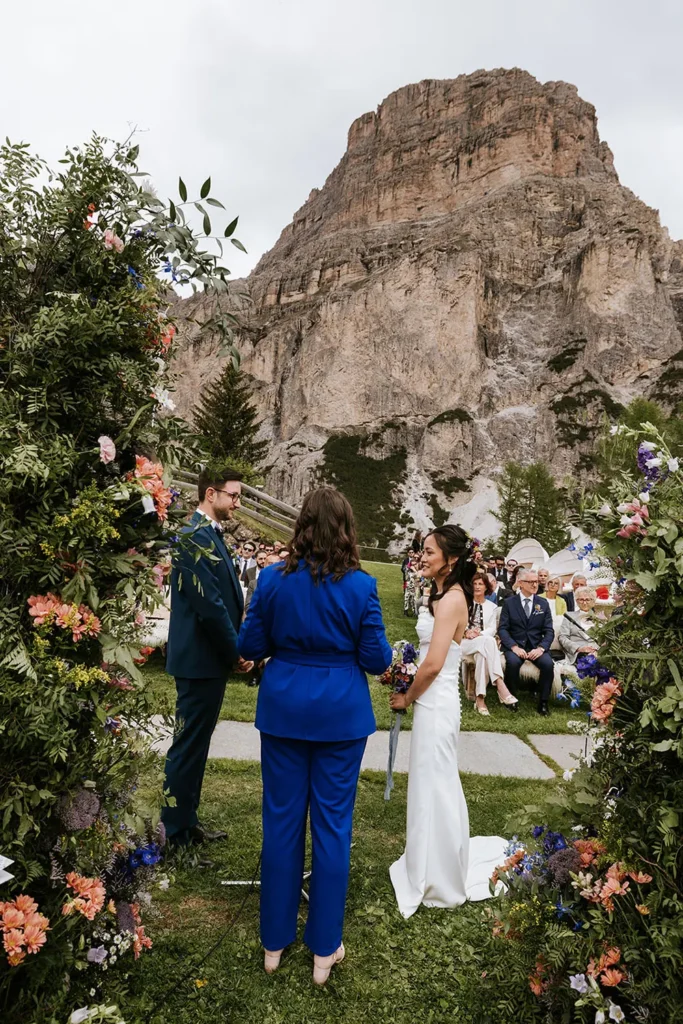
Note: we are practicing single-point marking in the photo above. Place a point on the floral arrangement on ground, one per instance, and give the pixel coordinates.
(590, 924)
(87, 518)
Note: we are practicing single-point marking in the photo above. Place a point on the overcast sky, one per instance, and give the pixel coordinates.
(260, 94)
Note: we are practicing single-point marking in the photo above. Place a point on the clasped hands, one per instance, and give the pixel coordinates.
(243, 666)
(528, 655)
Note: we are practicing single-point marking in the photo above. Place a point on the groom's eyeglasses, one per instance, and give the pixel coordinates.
(235, 495)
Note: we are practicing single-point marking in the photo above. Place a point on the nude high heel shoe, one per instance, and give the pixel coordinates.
(271, 960)
(322, 965)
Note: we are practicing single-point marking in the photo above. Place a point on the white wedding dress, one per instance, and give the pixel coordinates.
(441, 865)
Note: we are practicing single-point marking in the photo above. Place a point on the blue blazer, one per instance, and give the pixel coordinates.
(206, 606)
(515, 630)
(321, 640)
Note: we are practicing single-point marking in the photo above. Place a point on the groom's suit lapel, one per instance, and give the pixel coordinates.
(200, 522)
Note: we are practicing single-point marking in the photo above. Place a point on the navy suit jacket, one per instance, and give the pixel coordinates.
(515, 630)
(206, 606)
(321, 639)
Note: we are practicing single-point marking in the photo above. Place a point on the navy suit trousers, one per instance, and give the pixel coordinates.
(301, 776)
(545, 665)
(198, 706)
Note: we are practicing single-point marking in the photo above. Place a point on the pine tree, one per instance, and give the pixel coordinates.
(531, 505)
(226, 420)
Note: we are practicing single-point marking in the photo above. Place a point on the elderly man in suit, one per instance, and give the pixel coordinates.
(206, 612)
(526, 633)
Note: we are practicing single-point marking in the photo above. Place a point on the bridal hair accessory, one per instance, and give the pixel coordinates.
(399, 676)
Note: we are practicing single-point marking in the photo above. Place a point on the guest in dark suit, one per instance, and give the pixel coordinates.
(578, 580)
(526, 633)
(317, 618)
(252, 575)
(206, 611)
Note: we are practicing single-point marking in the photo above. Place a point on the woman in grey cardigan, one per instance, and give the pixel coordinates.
(574, 636)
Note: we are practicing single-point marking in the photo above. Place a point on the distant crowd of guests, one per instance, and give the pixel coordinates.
(518, 614)
(250, 557)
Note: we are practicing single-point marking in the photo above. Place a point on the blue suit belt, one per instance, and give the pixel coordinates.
(316, 659)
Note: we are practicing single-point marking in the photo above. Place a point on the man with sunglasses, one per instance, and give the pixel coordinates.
(206, 612)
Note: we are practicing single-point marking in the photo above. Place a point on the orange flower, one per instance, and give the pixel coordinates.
(14, 959)
(589, 850)
(640, 877)
(642, 909)
(12, 917)
(13, 940)
(34, 937)
(536, 985)
(611, 977)
(140, 941)
(89, 895)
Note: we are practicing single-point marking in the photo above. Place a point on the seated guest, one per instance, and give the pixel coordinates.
(558, 605)
(510, 588)
(543, 575)
(500, 570)
(480, 640)
(252, 576)
(492, 594)
(578, 580)
(526, 633)
(574, 635)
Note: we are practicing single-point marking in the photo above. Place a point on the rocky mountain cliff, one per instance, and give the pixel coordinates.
(471, 284)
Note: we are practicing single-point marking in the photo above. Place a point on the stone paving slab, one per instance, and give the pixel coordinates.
(564, 749)
(482, 753)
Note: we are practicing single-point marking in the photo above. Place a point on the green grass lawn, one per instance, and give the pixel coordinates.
(240, 700)
(396, 971)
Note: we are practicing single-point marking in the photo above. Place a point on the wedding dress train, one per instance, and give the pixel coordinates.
(441, 865)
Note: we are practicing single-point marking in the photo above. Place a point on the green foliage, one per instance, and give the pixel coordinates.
(568, 356)
(624, 903)
(449, 485)
(578, 412)
(87, 450)
(531, 505)
(368, 483)
(226, 420)
(615, 454)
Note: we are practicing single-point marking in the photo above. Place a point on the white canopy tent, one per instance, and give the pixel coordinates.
(564, 563)
(529, 552)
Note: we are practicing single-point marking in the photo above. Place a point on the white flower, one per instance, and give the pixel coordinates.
(92, 992)
(106, 936)
(148, 504)
(112, 960)
(616, 1012)
(577, 828)
(164, 399)
(164, 883)
(78, 1016)
(644, 496)
(117, 939)
(605, 510)
(653, 463)
(599, 1017)
(107, 449)
(578, 983)
(672, 465)
(568, 774)
(649, 446)
(112, 949)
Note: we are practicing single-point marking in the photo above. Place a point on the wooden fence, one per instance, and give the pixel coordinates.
(256, 504)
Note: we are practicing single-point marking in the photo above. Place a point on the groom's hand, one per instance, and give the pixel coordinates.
(243, 666)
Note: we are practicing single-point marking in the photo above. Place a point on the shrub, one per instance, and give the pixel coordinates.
(86, 519)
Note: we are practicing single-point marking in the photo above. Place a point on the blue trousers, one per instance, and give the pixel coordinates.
(198, 706)
(298, 776)
(544, 664)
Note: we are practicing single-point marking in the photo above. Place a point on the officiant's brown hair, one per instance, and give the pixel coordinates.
(324, 535)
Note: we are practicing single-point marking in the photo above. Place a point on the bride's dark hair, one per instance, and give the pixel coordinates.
(454, 543)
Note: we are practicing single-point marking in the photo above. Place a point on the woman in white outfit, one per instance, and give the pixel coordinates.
(480, 641)
(441, 865)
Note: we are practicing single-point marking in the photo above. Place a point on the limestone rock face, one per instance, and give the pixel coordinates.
(472, 284)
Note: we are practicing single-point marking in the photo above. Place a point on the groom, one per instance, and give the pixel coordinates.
(206, 611)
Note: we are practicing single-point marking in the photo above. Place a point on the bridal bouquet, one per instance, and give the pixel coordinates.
(398, 677)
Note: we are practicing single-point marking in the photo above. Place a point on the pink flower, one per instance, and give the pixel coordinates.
(40, 608)
(112, 241)
(107, 449)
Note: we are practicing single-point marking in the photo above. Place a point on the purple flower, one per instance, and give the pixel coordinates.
(538, 830)
(97, 955)
(125, 918)
(78, 810)
(651, 473)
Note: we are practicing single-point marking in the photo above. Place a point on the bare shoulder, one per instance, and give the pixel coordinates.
(452, 602)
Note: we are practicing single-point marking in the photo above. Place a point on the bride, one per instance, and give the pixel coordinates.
(441, 865)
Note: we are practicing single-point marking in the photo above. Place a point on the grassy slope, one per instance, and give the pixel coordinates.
(240, 700)
(396, 971)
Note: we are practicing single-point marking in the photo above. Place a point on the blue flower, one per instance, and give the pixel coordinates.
(577, 926)
(137, 281)
(538, 830)
(572, 547)
(561, 911)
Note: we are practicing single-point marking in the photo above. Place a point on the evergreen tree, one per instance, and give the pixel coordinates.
(531, 505)
(226, 420)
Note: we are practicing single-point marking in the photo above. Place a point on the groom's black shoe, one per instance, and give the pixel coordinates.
(201, 834)
(543, 708)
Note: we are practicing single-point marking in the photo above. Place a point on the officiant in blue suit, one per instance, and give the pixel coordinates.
(318, 620)
(206, 612)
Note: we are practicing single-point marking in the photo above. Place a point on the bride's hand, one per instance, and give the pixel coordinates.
(398, 702)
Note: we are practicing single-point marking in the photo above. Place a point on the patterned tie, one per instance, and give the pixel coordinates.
(527, 606)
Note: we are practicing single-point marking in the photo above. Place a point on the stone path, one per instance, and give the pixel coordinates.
(482, 753)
